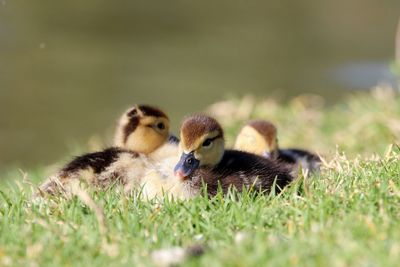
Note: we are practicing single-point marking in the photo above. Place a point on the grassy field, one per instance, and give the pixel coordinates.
(349, 215)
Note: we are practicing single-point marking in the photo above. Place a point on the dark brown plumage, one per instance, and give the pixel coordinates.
(242, 170)
(204, 160)
(98, 161)
(99, 169)
(152, 111)
(130, 126)
(294, 156)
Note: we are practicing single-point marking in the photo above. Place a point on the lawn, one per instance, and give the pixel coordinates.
(348, 215)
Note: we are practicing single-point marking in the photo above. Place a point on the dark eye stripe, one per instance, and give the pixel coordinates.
(161, 126)
(207, 142)
(211, 140)
(130, 127)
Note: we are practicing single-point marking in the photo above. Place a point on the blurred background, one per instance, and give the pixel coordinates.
(69, 68)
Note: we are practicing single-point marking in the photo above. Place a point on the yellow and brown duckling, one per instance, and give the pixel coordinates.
(157, 177)
(205, 160)
(143, 121)
(141, 132)
(260, 137)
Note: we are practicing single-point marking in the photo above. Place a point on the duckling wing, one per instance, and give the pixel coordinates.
(101, 169)
(240, 169)
(299, 157)
(98, 161)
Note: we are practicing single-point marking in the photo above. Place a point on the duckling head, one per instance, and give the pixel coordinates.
(258, 137)
(142, 129)
(202, 144)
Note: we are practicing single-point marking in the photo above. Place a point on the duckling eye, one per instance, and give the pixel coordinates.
(160, 126)
(207, 143)
(189, 161)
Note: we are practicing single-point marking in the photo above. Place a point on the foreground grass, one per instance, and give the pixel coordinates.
(347, 216)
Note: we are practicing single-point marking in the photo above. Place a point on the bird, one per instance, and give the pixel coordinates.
(261, 137)
(141, 145)
(204, 161)
(157, 178)
(143, 121)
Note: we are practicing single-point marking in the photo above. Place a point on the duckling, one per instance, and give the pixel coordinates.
(205, 160)
(260, 137)
(141, 132)
(142, 121)
(158, 177)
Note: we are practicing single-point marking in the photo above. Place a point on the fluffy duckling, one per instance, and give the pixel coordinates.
(143, 121)
(141, 133)
(205, 160)
(260, 137)
(158, 178)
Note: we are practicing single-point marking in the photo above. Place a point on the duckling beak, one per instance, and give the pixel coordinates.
(186, 166)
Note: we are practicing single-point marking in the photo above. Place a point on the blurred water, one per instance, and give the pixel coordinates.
(69, 68)
(364, 75)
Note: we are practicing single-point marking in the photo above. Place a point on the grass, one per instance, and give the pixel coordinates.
(347, 216)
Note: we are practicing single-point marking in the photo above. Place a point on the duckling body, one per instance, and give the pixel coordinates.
(204, 160)
(242, 170)
(159, 179)
(99, 169)
(260, 137)
(299, 157)
(140, 142)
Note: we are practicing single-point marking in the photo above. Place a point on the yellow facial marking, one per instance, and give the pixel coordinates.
(147, 120)
(250, 140)
(198, 143)
(147, 136)
(210, 154)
